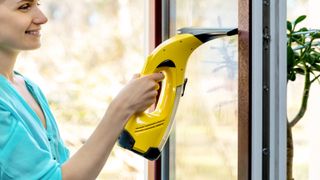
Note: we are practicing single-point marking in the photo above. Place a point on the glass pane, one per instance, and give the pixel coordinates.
(305, 133)
(206, 120)
(90, 49)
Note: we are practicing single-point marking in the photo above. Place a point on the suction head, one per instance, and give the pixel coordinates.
(207, 34)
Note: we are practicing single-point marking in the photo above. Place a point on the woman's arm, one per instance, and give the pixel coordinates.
(138, 95)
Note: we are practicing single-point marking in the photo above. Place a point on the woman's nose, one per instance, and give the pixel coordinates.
(39, 17)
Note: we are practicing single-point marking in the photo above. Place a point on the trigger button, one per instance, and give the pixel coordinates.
(184, 86)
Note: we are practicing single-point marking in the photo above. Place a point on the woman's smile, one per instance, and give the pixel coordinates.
(35, 32)
(22, 20)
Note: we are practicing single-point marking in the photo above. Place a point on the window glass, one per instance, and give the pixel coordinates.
(306, 132)
(206, 120)
(90, 49)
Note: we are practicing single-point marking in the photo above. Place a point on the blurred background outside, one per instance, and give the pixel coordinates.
(90, 49)
(206, 120)
(307, 132)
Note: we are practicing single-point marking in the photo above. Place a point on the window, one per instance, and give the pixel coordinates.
(306, 131)
(86, 42)
(206, 120)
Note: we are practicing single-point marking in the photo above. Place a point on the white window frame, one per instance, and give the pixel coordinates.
(276, 107)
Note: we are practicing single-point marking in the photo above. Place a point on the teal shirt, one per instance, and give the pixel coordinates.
(27, 149)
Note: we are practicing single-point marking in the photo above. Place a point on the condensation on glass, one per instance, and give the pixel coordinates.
(207, 117)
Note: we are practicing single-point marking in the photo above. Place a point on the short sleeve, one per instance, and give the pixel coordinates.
(20, 155)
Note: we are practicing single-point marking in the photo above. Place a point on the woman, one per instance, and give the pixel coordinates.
(30, 145)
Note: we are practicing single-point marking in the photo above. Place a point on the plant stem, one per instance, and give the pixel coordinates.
(290, 151)
(305, 97)
(315, 79)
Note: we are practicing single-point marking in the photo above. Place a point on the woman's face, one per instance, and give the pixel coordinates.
(20, 22)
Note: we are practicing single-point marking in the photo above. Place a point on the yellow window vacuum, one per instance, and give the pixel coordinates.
(146, 133)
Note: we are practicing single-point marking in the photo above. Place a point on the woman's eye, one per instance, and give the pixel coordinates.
(25, 6)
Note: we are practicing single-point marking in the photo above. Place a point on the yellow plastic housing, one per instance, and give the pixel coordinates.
(150, 129)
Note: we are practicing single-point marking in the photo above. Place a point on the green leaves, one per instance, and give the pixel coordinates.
(289, 26)
(290, 57)
(303, 52)
(299, 19)
(315, 35)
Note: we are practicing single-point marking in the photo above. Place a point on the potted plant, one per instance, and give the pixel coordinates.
(303, 59)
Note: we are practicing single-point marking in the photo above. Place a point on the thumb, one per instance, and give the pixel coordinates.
(157, 76)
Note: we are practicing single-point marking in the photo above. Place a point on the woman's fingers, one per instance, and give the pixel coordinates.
(141, 92)
(157, 76)
(157, 86)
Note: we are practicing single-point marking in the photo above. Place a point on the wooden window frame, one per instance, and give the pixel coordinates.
(161, 26)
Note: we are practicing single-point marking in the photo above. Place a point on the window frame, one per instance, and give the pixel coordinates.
(261, 121)
(262, 87)
(161, 26)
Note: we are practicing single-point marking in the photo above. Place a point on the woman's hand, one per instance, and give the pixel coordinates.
(136, 96)
(139, 94)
